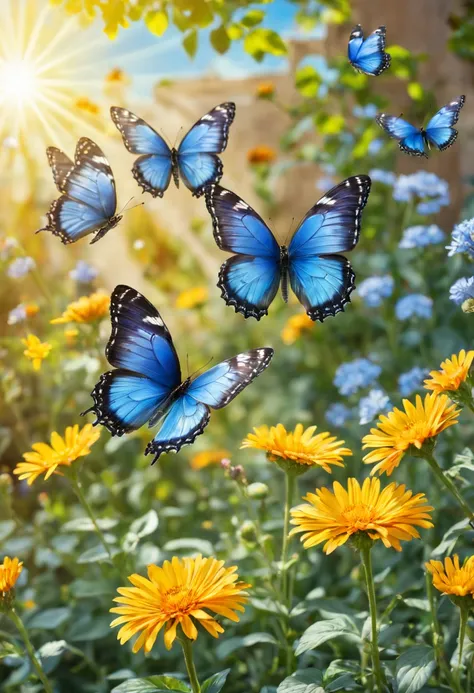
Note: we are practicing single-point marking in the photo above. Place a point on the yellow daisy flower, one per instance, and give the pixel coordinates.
(191, 298)
(208, 457)
(261, 155)
(36, 350)
(86, 309)
(299, 446)
(265, 90)
(45, 459)
(117, 76)
(86, 105)
(31, 310)
(10, 571)
(295, 326)
(452, 578)
(398, 430)
(181, 592)
(452, 374)
(390, 514)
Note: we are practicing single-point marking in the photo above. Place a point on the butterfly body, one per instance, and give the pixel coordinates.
(311, 264)
(438, 133)
(367, 55)
(146, 385)
(195, 161)
(88, 199)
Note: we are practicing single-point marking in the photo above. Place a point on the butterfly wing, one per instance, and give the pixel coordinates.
(189, 415)
(61, 167)
(248, 281)
(141, 348)
(71, 220)
(410, 139)
(198, 162)
(321, 279)
(368, 55)
(440, 131)
(152, 170)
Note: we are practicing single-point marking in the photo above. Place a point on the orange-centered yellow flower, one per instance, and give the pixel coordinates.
(299, 446)
(86, 309)
(261, 155)
(390, 514)
(398, 430)
(36, 350)
(45, 459)
(452, 578)
(265, 90)
(85, 104)
(10, 571)
(295, 326)
(452, 374)
(182, 592)
(192, 297)
(208, 457)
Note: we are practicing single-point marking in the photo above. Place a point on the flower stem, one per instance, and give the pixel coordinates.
(446, 481)
(30, 649)
(369, 579)
(290, 483)
(76, 485)
(464, 614)
(187, 646)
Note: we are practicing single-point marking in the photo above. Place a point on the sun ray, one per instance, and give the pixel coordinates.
(64, 57)
(36, 32)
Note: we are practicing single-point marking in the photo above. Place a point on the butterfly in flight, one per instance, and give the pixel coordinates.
(439, 132)
(320, 277)
(195, 161)
(88, 201)
(368, 55)
(146, 385)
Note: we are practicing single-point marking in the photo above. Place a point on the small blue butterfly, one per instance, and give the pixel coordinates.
(195, 161)
(368, 55)
(439, 132)
(146, 385)
(88, 201)
(320, 277)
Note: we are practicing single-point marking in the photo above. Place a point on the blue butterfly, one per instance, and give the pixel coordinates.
(146, 385)
(439, 132)
(88, 199)
(368, 55)
(195, 160)
(320, 277)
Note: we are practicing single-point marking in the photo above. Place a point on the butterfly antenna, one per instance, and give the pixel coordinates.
(176, 138)
(201, 368)
(187, 365)
(289, 234)
(124, 208)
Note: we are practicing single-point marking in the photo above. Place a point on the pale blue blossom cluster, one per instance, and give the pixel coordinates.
(356, 375)
(462, 239)
(421, 236)
(428, 189)
(337, 414)
(369, 111)
(462, 290)
(374, 290)
(414, 306)
(411, 380)
(17, 315)
(20, 267)
(83, 273)
(379, 175)
(373, 404)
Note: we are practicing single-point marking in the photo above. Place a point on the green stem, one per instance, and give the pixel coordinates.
(76, 485)
(438, 637)
(30, 649)
(187, 646)
(446, 481)
(366, 557)
(290, 484)
(464, 614)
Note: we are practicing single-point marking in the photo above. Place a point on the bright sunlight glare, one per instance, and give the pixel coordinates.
(18, 82)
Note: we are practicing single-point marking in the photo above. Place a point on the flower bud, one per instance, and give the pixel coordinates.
(258, 491)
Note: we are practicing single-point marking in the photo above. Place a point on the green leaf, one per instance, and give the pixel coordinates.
(415, 91)
(85, 589)
(449, 540)
(308, 81)
(157, 22)
(332, 125)
(86, 629)
(50, 654)
(190, 43)
(49, 619)
(414, 668)
(84, 524)
(322, 631)
(422, 604)
(261, 41)
(398, 52)
(189, 544)
(152, 684)
(342, 683)
(465, 460)
(220, 40)
(180, 20)
(303, 681)
(253, 18)
(227, 647)
(97, 554)
(145, 525)
(215, 683)
(235, 32)
(6, 528)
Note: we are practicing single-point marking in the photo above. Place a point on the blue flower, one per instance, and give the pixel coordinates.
(411, 380)
(355, 375)
(422, 185)
(369, 111)
(337, 414)
(373, 404)
(17, 315)
(20, 267)
(420, 236)
(378, 175)
(414, 305)
(462, 290)
(7, 245)
(375, 146)
(462, 239)
(373, 290)
(83, 273)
